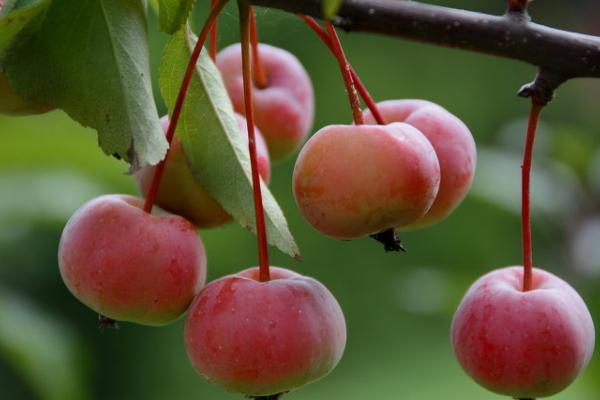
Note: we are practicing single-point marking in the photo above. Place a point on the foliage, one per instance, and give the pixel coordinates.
(101, 79)
(396, 348)
(213, 143)
(331, 7)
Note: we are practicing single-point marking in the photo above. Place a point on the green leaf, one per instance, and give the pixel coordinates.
(330, 8)
(213, 143)
(15, 16)
(40, 348)
(154, 6)
(90, 58)
(174, 13)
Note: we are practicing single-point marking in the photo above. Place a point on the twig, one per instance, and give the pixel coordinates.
(567, 54)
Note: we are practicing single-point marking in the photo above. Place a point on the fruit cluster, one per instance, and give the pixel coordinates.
(402, 165)
(260, 338)
(149, 268)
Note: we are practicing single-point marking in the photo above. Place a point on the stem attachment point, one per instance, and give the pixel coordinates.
(390, 241)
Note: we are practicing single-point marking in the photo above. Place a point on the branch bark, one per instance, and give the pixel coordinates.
(565, 54)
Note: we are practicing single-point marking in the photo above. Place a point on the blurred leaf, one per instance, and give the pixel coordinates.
(555, 188)
(593, 174)
(330, 8)
(574, 147)
(49, 195)
(15, 16)
(585, 247)
(173, 14)
(212, 141)
(154, 5)
(41, 349)
(90, 58)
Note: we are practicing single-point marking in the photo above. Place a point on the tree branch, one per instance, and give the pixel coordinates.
(565, 54)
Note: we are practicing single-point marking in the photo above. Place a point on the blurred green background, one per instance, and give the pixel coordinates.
(398, 306)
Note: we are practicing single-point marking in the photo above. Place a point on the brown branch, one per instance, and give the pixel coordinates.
(565, 54)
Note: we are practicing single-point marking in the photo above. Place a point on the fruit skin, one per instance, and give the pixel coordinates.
(129, 265)
(13, 104)
(522, 344)
(453, 144)
(180, 193)
(265, 338)
(351, 181)
(284, 110)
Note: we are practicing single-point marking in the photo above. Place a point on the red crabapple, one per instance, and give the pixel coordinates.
(129, 265)
(264, 338)
(179, 192)
(284, 110)
(351, 181)
(453, 144)
(522, 344)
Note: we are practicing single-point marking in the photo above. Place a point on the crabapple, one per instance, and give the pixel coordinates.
(264, 338)
(525, 344)
(179, 192)
(129, 265)
(453, 144)
(13, 104)
(354, 180)
(284, 110)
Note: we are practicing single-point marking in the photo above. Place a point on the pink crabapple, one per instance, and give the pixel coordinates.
(351, 181)
(284, 110)
(524, 344)
(265, 338)
(129, 265)
(179, 192)
(454, 146)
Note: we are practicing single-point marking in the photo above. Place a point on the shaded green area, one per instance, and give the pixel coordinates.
(398, 306)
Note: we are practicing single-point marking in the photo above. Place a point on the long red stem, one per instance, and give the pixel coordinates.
(360, 86)
(258, 69)
(214, 33)
(261, 230)
(534, 116)
(346, 74)
(185, 84)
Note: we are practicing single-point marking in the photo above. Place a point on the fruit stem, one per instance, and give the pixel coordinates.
(534, 116)
(214, 34)
(518, 5)
(261, 231)
(259, 74)
(360, 86)
(346, 74)
(185, 84)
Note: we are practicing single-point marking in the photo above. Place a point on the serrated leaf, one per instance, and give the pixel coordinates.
(173, 14)
(15, 16)
(212, 141)
(41, 349)
(330, 8)
(90, 58)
